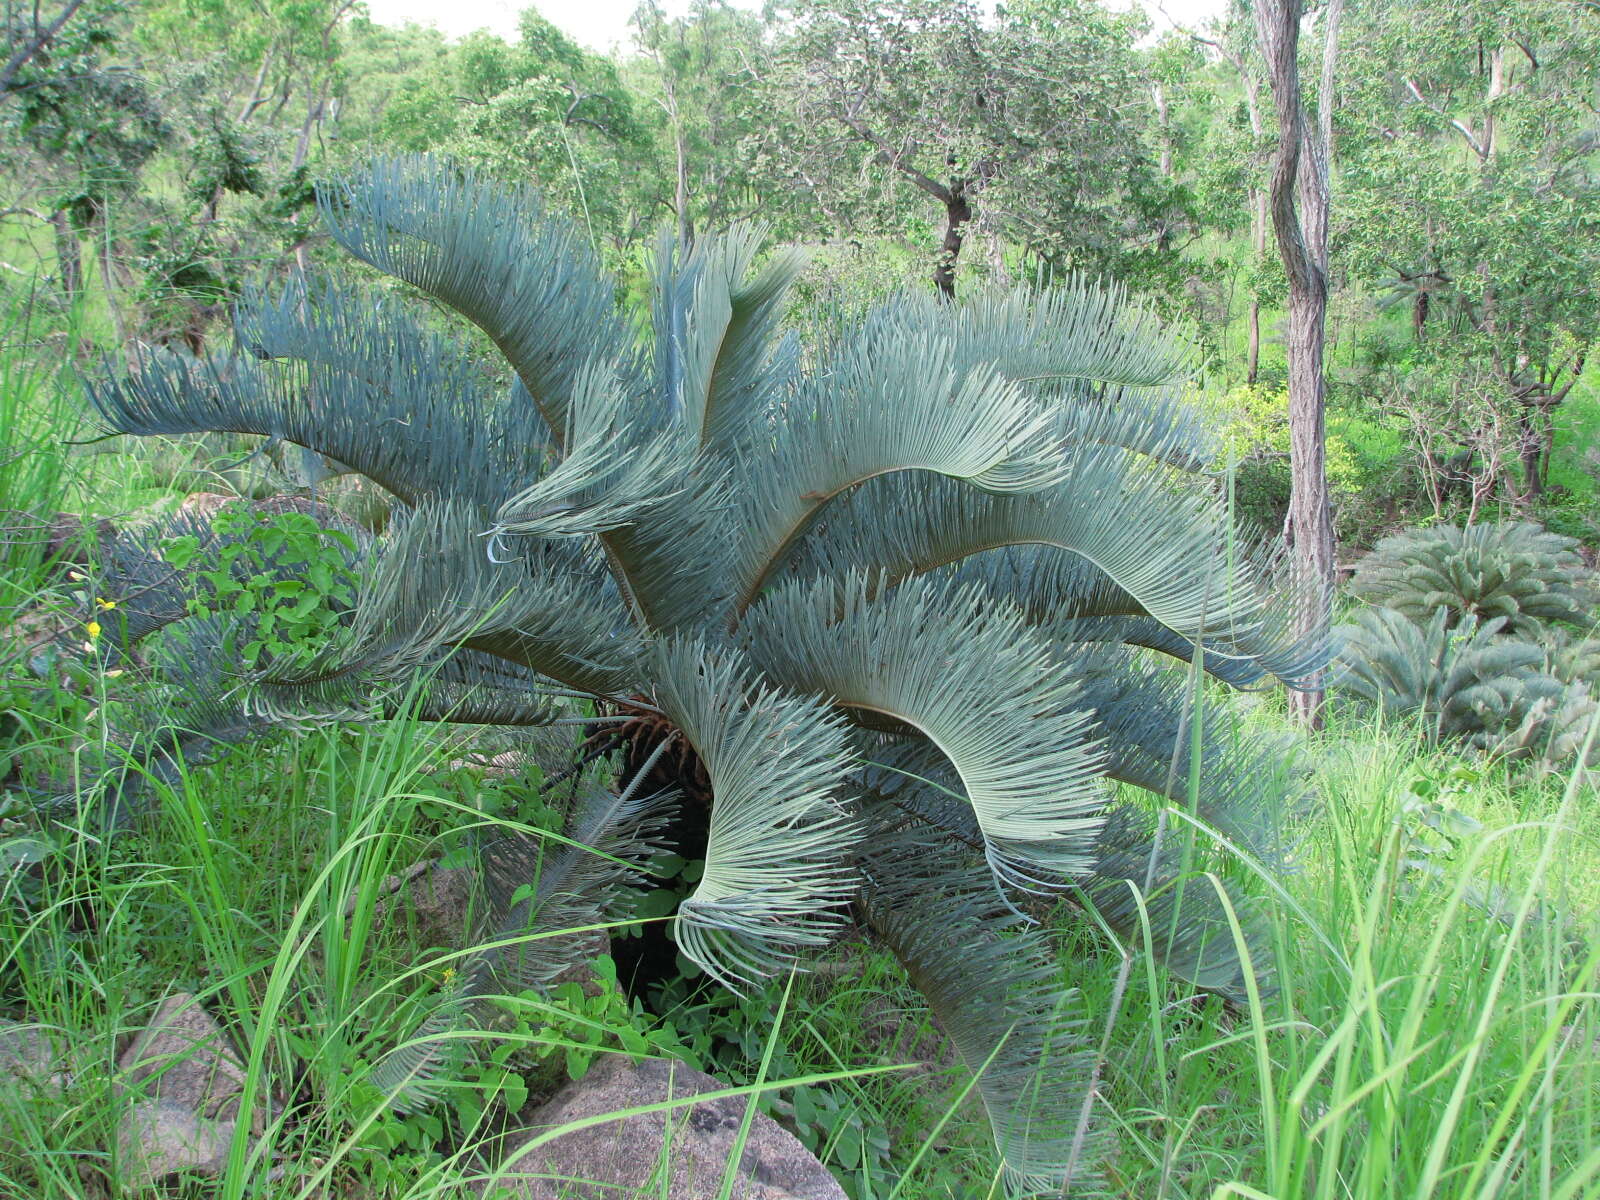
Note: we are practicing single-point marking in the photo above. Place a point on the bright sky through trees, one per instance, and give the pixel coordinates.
(600, 24)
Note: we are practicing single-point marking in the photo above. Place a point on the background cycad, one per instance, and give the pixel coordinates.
(1515, 571)
(887, 602)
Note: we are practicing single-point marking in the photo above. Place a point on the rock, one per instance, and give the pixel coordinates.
(183, 1057)
(441, 907)
(622, 1158)
(157, 1138)
(71, 541)
(27, 1055)
(436, 903)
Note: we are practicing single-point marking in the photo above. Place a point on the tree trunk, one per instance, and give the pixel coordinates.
(1252, 366)
(69, 256)
(681, 193)
(1158, 94)
(1301, 165)
(957, 212)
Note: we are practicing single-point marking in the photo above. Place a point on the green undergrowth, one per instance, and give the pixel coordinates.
(1429, 989)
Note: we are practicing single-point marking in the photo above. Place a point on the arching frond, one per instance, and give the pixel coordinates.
(715, 325)
(1139, 888)
(777, 857)
(615, 468)
(491, 253)
(1080, 330)
(968, 675)
(1167, 549)
(884, 408)
(434, 584)
(996, 991)
(1249, 787)
(352, 377)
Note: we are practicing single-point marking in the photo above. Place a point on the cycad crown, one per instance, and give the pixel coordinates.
(1516, 571)
(891, 590)
(1472, 683)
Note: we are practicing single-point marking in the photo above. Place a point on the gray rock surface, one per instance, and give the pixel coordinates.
(183, 1057)
(157, 1138)
(27, 1055)
(436, 903)
(182, 1083)
(688, 1147)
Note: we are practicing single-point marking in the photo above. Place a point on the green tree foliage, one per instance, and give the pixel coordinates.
(1516, 572)
(1032, 126)
(697, 81)
(1467, 183)
(888, 594)
(541, 108)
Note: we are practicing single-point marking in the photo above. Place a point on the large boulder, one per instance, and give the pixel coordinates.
(686, 1148)
(27, 1056)
(158, 1138)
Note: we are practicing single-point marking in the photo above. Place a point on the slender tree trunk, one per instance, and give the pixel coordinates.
(957, 212)
(1302, 165)
(108, 280)
(1258, 241)
(681, 191)
(69, 256)
(1158, 94)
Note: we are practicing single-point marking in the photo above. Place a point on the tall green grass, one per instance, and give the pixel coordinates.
(38, 414)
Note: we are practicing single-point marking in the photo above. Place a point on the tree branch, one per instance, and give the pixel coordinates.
(889, 158)
(1472, 139)
(28, 49)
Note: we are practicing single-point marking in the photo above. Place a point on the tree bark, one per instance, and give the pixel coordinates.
(1301, 165)
(957, 212)
(69, 256)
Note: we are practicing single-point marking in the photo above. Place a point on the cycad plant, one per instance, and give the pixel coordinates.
(885, 605)
(1516, 571)
(1469, 682)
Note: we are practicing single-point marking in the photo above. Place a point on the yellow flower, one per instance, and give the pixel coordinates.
(93, 628)
(448, 977)
(103, 604)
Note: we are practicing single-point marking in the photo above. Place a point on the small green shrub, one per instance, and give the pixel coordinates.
(285, 581)
(1516, 572)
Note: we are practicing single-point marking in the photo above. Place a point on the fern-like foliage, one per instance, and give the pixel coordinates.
(896, 591)
(1516, 572)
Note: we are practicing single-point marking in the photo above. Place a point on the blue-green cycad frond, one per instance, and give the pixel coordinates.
(402, 406)
(1164, 548)
(1249, 786)
(1080, 330)
(963, 670)
(1158, 895)
(715, 321)
(491, 253)
(433, 585)
(887, 409)
(615, 469)
(777, 871)
(995, 988)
